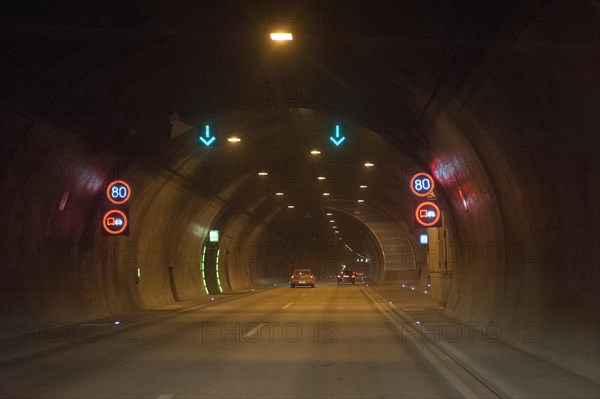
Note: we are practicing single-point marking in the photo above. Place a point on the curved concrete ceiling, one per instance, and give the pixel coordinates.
(397, 251)
(498, 103)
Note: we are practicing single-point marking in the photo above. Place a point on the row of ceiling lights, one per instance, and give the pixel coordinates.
(345, 245)
(235, 139)
(286, 37)
(313, 152)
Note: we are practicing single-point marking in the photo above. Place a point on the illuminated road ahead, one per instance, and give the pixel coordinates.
(332, 341)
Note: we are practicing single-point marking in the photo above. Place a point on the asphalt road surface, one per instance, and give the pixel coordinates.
(326, 342)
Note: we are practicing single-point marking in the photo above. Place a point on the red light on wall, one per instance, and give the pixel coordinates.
(63, 201)
(428, 214)
(118, 192)
(422, 184)
(115, 222)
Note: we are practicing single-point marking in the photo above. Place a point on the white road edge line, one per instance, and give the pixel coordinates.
(465, 391)
(499, 386)
(254, 330)
(288, 305)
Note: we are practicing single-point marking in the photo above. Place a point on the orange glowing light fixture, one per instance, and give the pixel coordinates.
(281, 36)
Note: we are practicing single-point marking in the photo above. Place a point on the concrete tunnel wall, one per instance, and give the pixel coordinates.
(507, 150)
(525, 231)
(57, 266)
(396, 259)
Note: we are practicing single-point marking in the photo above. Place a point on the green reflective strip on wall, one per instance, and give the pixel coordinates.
(218, 279)
(202, 269)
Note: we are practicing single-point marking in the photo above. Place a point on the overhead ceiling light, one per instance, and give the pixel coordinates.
(336, 232)
(291, 206)
(361, 200)
(281, 36)
(321, 178)
(334, 227)
(326, 194)
(329, 213)
(315, 152)
(332, 221)
(363, 186)
(278, 193)
(369, 164)
(263, 174)
(234, 139)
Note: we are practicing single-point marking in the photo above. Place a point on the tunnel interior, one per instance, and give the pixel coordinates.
(498, 104)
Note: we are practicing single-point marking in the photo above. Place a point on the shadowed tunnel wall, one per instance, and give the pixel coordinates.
(509, 138)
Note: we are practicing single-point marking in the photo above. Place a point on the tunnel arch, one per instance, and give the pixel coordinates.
(512, 109)
(397, 254)
(225, 195)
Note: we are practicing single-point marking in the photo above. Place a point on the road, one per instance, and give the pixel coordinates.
(330, 341)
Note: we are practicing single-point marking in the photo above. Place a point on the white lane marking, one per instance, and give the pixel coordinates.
(254, 330)
(302, 296)
(288, 305)
(165, 396)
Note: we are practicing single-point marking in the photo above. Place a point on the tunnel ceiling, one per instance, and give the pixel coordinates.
(124, 76)
(282, 148)
(137, 82)
(281, 100)
(197, 62)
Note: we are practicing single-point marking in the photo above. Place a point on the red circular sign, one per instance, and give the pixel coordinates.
(118, 192)
(422, 184)
(114, 221)
(427, 214)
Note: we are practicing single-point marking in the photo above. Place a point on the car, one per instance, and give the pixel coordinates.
(346, 276)
(302, 277)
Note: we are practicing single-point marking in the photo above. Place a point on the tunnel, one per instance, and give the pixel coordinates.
(240, 159)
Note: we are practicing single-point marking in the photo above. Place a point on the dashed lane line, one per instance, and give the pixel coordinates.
(254, 330)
